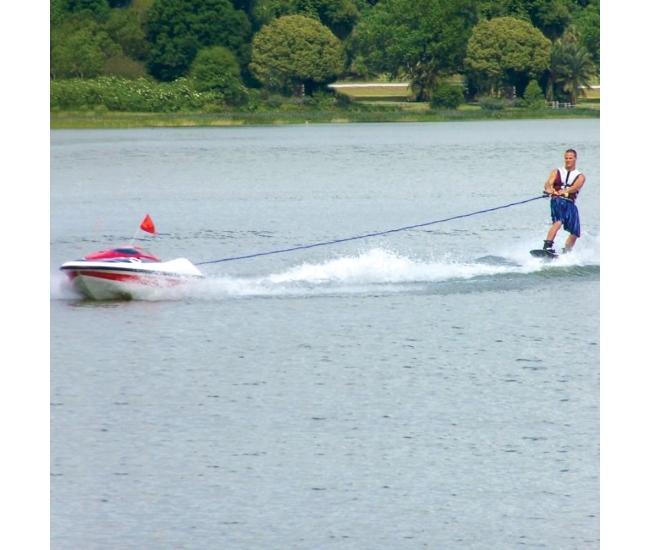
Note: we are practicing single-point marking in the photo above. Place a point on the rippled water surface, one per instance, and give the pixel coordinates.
(431, 387)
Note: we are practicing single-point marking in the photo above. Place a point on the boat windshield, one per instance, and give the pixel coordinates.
(132, 251)
(123, 252)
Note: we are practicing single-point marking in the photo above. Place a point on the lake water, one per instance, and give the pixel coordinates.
(432, 387)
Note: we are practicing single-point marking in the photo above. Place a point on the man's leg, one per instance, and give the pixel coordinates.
(552, 232)
(570, 243)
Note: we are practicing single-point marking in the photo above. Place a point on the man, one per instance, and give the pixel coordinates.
(563, 185)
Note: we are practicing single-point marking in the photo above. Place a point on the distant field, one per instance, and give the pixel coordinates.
(400, 91)
(594, 93)
(395, 91)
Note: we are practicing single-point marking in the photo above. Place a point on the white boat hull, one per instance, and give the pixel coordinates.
(119, 280)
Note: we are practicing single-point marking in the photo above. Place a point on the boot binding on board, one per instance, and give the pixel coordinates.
(548, 247)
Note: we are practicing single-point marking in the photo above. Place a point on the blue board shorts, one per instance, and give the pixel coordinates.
(566, 212)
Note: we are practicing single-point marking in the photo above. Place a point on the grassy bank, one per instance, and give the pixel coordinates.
(395, 113)
(114, 103)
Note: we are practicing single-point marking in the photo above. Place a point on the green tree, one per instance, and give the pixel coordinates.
(339, 16)
(422, 40)
(98, 8)
(217, 69)
(571, 70)
(533, 95)
(446, 95)
(126, 29)
(557, 71)
(588, 24)
(57, 12)
(78, 56)
(579, 69)
(245, 5)
(79, 47)
(178, 29)
(296, 51)
(505, 54)
(211, 65)
(550, 16)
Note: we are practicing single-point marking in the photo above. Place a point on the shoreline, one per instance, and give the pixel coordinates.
(92, 120)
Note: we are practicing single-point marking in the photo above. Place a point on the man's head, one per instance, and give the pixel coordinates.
(570, 157)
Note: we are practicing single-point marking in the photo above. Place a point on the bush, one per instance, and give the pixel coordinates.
(490, 103)
(120, 94)
(343, 100)
(121, 65)
(447, 96)
(217, 69)
(533, 96)
(321, 99)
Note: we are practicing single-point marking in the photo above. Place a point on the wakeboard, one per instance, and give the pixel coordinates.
(545, 254)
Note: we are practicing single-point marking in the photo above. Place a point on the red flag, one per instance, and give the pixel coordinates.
(147, 225)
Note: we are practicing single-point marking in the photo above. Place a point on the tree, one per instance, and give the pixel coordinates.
(579, 69)
(533, 95)
(588, 24)
(125, 28)
(98, 8)
(78, 56)
(423, 40)
(211, 65)
(550, 16)
(57, 12)
(296, 51)
(556, 71)
(570, 71)
(178, 29)
(216, 68)
(79, 47)
(339, 16)
(245, 5)
(506, 53)
(446, 95)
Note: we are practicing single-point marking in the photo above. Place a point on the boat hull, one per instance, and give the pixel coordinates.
(128, 280)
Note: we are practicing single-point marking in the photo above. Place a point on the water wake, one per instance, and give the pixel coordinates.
(375, 271)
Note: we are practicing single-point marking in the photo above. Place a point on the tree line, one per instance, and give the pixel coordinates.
(229, 49)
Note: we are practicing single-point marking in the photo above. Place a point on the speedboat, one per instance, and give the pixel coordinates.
(126, 273)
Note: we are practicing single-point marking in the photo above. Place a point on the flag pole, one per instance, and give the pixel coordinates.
(146, 225)
(134, 235)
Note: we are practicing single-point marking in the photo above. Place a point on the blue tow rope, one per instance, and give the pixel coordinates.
(304, 247)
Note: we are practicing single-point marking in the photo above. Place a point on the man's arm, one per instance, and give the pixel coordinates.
(548, 186)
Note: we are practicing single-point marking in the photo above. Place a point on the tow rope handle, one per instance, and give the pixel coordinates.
(546, 194)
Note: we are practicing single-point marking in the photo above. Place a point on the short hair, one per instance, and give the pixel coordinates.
(571, 151)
